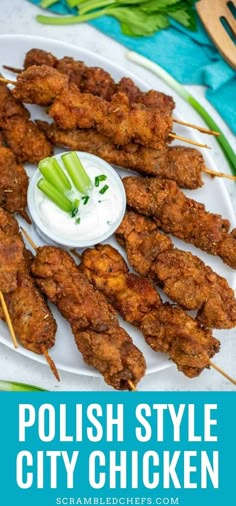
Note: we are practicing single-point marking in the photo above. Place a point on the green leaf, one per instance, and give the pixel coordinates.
(158, 6)
(185, 18)
(137, 23)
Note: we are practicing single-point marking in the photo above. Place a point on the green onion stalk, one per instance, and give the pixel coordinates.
(9, 386)
(182, 92)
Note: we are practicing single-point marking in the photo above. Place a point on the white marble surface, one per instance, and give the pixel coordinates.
(18, 17)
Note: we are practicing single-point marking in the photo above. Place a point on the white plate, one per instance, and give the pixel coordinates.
(65, 354)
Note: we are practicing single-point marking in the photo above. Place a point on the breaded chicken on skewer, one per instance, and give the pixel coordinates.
(183, 277)
(22, 136)
(180, 163)
(13, 184)
(30, 316)
(166, 328)
(96, 80)
(118, 119)
(103, 343)
(181, 216)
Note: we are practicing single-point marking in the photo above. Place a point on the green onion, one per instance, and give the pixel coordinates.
(77, 221)
(104, 189)
(75, 208)
(85, 199)
(76, 172)
(100, 178)
(176, 86)
(9, 386)
(55, 195)
(53, 173)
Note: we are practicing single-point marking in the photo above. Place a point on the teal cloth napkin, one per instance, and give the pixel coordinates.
(189, 56)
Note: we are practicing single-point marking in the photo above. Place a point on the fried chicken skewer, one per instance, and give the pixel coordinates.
(100, 339)
(99, 82)
(119, 119)
(11, 254)
(165, 328)
(22, 136)
(30, 316)
(13, 184)
(182, 164)
(181, 216)
(183, 277)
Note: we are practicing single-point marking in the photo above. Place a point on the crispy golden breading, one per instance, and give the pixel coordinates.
(11, 254)
(182, 276)
(39, 85)
(181, 216)
(166, 328)
(183, 165)
(13, 184)
(152, 98)
(9, 106)
(39, 57)
(97, 81)
(100, 339)
(170, 330)
(32, 320)
(26, 140)
(116, 119)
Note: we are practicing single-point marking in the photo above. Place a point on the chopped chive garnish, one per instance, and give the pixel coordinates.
(85, 199)
(75, 208)
(53, 173)
(77, 221)
(104, 189)
(76, 172)
(99, 179)
(55, 195)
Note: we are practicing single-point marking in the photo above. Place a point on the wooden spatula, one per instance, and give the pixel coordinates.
(212, 12)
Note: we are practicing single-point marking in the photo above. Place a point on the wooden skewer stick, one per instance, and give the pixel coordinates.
(132, 386)
(50, 361)
(28, 238)
(8, 320)
(218, 369)
(188, 141)
(13, 69)
(196, 127)
(7, 81)
(74, 252)
(219, 174)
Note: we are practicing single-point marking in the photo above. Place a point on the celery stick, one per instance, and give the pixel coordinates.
(55, 195)
(76, 172)
(51, 170)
